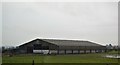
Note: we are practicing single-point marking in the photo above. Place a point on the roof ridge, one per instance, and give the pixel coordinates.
(65, 39)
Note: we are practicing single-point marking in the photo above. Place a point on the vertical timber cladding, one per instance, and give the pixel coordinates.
(29, 49)
(44, 47)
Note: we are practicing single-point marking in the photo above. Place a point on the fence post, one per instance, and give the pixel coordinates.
(33, 62)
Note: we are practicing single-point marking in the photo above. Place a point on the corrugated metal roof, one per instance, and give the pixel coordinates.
(70, 42)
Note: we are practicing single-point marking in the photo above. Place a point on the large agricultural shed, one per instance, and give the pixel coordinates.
(56, 46)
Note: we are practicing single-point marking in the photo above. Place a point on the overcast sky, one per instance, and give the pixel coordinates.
(93, 21)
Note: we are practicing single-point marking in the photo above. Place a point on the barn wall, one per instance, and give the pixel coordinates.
(68, 51)
(53, 51)
(61, 49)
(30, 46)
(75, 51)
(61, 52)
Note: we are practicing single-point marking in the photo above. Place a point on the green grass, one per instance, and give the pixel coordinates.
(78, 58)
(113, 52)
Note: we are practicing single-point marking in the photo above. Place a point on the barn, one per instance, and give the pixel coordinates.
(57, 46)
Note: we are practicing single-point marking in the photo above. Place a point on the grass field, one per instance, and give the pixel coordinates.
(78, 58)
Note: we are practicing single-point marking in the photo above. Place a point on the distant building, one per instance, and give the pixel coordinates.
(55, 46)
(109, 47)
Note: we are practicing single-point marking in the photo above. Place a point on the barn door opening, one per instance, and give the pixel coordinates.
(29, 49)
